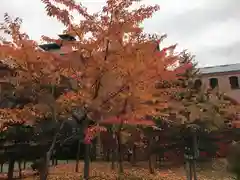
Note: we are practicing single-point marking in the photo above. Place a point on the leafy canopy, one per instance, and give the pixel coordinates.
(114, 63)
(117, 61)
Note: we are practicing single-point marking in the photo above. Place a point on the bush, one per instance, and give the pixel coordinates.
(233, 159)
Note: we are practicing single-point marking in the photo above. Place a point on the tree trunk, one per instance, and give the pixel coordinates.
(20, 169)
(24, 164)
(150, 164)
(113, 159)
(194, 170)
(54, 157)
(191, 170)
(2, 167)
(133, 160)
(52, 161)
(107, 156)
(150, 159)
(44, 167)
(188, 170)
(161, 157)
(119, 150)
(86, 161)
(93, 150)
(78, 156)
(98, 147)
(195, 147)
(10, 169)
(87, 147)
(56, 161)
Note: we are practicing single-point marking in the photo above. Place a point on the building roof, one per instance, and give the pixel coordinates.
(50, 46)
(67, 37)
(55, 46)
(220, 68)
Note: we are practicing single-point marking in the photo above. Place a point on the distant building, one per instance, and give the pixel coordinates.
(7, 73)
(224, 77)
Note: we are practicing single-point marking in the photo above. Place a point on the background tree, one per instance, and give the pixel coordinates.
(198, 109)
(37, 82)
(233, 159)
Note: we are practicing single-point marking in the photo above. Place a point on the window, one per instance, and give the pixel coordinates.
(197, 84)
(234, 82)
(213, 82)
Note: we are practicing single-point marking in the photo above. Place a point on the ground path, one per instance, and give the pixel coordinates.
(102, 171)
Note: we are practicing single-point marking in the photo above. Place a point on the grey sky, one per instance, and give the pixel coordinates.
(208, 28)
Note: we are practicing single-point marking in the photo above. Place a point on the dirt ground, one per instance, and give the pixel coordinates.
(102, 171)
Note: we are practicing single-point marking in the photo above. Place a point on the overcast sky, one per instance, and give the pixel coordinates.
(207, 28)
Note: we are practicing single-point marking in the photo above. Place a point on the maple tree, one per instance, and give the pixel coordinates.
(118, 63)
(106, 57)
(114, 70)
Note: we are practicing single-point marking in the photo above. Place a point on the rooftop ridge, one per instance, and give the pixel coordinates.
(222, 65)
(220, 68)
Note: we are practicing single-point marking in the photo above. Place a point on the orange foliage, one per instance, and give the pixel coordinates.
(17, 116)
(31, 65)
(23, 54)
(91, 133)
(114, 66)
(117, 61)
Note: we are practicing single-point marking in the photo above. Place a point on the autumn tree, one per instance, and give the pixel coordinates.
(37, 80)
(116, 61)
(25, 58)
(115, 67)
(197, 108)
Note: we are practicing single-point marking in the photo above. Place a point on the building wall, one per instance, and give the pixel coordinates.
(223, 83)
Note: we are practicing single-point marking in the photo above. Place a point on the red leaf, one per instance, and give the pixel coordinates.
(91, 132)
